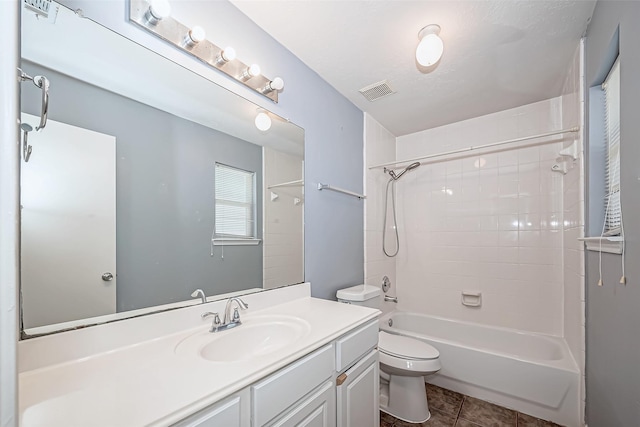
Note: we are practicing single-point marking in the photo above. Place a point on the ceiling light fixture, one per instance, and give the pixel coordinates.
(263, 121)
(158, 10)
(430, 48)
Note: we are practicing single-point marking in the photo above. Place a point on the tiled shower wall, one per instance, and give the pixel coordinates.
(380, 147)
(573, 221)
(283, 252)
(489, 223)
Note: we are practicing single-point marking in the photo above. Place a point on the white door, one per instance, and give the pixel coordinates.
(68, 224)
(358, 393)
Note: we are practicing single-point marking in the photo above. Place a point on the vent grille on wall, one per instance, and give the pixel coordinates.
(377, 90)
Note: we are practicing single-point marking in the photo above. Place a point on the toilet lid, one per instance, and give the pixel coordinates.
(405, 347)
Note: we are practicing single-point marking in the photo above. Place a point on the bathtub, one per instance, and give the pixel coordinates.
(531, 373)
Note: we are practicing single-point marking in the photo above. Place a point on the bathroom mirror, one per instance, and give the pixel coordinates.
(147, 183)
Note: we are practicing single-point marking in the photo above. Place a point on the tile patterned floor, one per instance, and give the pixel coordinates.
(451, 409)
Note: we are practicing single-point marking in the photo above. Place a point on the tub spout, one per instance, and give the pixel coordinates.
(391, 299)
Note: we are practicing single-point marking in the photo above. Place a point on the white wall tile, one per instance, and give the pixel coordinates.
(495, 227)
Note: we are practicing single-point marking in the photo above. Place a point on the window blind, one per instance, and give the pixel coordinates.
(234, 202)
(613, 214)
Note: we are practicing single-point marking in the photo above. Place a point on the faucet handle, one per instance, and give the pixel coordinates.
(236, 315)
(216, 317)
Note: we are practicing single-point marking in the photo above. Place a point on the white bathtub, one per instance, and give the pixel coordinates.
(531, 373)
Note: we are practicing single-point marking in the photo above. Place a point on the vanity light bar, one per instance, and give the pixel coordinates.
(150, 15)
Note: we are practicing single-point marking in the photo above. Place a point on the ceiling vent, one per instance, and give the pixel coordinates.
(377, 90)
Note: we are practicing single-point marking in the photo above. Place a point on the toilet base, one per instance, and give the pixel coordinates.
(404, 398)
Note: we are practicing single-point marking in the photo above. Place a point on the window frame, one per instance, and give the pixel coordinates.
(612, 225)
(219, 238)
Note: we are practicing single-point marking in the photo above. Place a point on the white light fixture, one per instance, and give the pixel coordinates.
(275, 84)
(430, 48)
(194, 36)
(158, 10)
(227, 54)
(263, 121)
(252, 71)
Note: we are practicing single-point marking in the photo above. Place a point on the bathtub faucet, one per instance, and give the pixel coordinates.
(387, 298)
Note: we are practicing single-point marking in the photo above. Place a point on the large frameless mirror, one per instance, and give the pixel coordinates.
(147, 182)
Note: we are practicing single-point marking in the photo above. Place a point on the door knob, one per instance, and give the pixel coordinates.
(107, 277)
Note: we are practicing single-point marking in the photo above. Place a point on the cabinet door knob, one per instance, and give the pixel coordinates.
(107, 277)
(341, 379)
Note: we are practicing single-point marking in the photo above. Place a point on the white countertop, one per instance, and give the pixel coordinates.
(147, 383)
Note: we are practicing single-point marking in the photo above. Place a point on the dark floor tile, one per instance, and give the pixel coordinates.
(438, 419)
(444, 400)
(487, 414)
(529, 421)
(384, 423)
(386, 420)
(465, 423)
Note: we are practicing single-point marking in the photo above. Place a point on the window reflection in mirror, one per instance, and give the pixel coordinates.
(119, 202)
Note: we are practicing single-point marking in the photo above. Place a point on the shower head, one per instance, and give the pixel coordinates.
(26, 127)
(396, 177)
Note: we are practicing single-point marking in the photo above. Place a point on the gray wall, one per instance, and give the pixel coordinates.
(334, 252)
(613, 310)
(164, 193)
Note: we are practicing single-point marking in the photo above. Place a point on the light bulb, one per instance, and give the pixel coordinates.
(430, 48)
(227, 54)
(252, 71)
(263, 122)
(195, 36)
(275, 84)
(158, 10)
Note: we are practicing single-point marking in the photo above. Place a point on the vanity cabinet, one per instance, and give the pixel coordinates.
(232, 411)
(358, 393)
(334, 386)
(316, 410)
(301, 390)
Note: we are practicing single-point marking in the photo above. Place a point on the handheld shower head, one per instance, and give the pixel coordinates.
(408, 168)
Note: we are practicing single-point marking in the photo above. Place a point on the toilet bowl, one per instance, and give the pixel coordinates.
(404, 362)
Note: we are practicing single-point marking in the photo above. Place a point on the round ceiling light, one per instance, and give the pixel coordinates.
(430, 48)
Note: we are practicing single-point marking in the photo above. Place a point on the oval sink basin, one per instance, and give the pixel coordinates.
(255, 337)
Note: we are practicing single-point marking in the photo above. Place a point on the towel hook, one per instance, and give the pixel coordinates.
(42, 83)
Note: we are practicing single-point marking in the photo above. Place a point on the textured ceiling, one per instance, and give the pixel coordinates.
(498, 54)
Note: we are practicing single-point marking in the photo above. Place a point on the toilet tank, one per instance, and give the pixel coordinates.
(364, 295)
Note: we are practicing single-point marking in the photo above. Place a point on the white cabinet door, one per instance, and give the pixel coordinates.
(318, 410)
(68, 224)
(231, 412)
(279, 391)
(357, 394)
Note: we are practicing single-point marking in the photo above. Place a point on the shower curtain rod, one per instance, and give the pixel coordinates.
(479, 147)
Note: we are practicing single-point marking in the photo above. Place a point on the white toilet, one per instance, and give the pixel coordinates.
(404, 362)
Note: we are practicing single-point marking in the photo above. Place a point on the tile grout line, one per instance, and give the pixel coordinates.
(460, 409)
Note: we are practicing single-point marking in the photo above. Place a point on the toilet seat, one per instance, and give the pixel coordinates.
(407, 356)
(405, 347)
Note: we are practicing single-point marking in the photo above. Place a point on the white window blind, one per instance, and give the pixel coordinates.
(613, 214)
(234, 202)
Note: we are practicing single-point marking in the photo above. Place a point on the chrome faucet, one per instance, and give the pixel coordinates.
(230, 320)
(199, 293)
